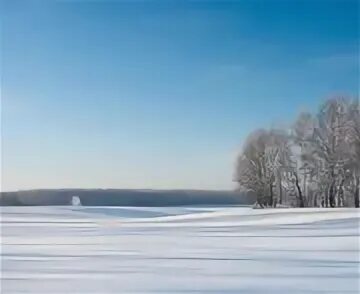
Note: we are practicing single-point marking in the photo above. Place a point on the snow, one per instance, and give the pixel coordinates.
(179, 249)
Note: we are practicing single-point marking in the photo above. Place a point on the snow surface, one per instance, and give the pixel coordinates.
(179, 250)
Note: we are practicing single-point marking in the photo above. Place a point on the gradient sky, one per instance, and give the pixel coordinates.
(160, 94)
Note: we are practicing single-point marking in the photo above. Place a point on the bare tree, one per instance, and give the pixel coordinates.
(318, 157)
(352, 140)
(253, 171)
(305, 164)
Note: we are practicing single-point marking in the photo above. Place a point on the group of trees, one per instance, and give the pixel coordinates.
(316, 162)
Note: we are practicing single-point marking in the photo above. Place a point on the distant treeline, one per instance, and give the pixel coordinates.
(316, 162)
(122, 197)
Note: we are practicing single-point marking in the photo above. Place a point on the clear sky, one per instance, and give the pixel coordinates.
(160, 94)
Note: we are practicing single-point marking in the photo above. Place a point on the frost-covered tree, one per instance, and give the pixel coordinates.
(352, 143)
(305, 164)
(316, 162)
(279, 160)
(253, 170)
(261, 165)
(329, 141)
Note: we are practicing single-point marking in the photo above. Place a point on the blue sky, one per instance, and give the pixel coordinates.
(160, 94)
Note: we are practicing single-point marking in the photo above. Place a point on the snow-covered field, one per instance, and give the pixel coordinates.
(183, 250)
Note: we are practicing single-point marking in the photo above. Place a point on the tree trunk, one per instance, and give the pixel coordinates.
(356, 195)
(301, 198)
(306, 198)
(326, 198)
(260, 197)
(280, 187)
(271, 195)
(357, 198)
(332, 194)
(315, 204)
(341, 194)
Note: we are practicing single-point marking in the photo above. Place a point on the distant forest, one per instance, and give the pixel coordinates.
(123, 197)
(316, 162)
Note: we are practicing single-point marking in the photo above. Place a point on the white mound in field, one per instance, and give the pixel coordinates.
(179, 249)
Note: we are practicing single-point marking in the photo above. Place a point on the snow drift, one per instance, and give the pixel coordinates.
(179, 249)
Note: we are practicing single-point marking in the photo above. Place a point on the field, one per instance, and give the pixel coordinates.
(179, 250)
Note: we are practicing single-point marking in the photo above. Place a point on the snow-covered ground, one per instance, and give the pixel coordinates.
(183, 250)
